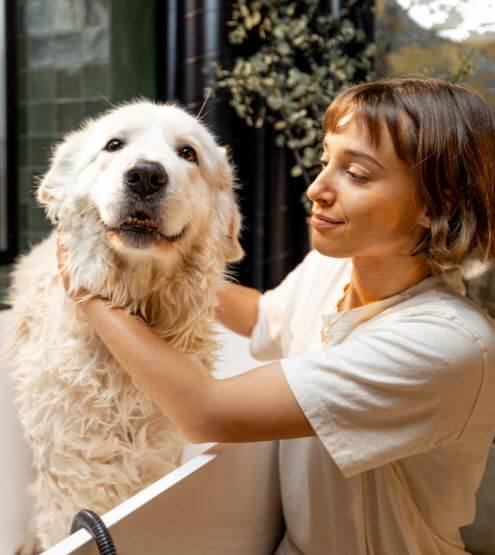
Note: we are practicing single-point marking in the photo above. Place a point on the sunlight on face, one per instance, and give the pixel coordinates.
(364, 199)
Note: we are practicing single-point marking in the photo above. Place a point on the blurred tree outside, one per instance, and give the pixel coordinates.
(451, 39)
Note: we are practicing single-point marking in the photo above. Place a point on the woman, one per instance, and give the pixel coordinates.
(383, 386)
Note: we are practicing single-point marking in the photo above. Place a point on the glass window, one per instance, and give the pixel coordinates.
(3, 136)
(450, 39)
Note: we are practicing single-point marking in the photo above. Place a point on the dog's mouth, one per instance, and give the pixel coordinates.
(140, 230)
(139, 224)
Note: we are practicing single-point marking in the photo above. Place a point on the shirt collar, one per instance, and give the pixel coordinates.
(452, 277)
(336, 325)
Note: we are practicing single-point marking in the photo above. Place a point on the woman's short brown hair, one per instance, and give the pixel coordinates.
(448, 139)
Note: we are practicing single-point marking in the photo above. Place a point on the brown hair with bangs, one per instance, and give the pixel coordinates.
(446, 133)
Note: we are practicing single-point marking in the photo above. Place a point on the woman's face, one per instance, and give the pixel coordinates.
(369, 192)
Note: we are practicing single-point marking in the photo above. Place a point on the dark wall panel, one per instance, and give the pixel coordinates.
(274, 235)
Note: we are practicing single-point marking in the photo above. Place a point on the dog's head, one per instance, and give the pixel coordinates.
(147, 180)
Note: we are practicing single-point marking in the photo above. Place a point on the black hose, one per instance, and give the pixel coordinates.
(91, 522)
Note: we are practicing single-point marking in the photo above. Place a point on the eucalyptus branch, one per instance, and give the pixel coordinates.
(303, 61)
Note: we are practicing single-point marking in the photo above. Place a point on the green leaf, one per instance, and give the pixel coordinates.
(274, 102)
(296, 171)
(303, 60)
(284, 49)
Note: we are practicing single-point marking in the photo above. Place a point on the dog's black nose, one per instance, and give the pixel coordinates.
(146, 178)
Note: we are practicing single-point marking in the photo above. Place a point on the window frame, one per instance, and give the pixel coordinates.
(8, 174)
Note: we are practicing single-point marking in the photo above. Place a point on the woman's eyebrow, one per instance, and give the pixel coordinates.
(356, 154)
(360, 154)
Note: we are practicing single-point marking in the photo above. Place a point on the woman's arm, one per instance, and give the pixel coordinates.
(178, 385)
(238, 308)
(255, 406)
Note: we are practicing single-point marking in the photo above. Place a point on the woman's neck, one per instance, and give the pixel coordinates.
(374, 280)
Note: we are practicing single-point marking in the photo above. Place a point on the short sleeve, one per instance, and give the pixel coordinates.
(402, 388)
(271, 335)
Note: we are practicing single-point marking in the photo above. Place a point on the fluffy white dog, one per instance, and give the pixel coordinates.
(145, 200)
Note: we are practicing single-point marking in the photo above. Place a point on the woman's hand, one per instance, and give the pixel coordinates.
(78, 295)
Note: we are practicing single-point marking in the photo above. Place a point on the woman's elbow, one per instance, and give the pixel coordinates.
(197, 434)
(203, 426)
(205, 432)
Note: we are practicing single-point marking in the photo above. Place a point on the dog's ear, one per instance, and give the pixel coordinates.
(225, 179)
(234, 250)
(225, 170)
(63, 167)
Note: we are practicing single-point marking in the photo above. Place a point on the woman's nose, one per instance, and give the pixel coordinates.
(319, 191)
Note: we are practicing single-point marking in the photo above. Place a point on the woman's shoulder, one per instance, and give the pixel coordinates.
(444, 304)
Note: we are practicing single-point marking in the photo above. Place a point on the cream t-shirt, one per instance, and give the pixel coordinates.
(401, 395)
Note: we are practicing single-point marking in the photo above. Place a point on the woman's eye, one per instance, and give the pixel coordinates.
(355, 176)
(323, 163)
(113, 145)
(188, 153)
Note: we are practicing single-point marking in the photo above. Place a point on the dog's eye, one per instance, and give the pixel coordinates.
(113, 145)
(188, 153)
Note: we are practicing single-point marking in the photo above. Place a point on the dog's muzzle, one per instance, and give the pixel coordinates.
(139, 222)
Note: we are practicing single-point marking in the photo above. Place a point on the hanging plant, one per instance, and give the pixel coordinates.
(303, 60)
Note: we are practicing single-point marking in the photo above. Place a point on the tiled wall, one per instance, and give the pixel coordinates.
(74, 58)
(4, 279)
(63, 49)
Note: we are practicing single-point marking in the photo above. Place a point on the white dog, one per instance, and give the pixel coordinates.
(145, 201)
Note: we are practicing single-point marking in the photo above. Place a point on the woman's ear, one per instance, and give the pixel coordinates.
(450, 201)
(424, 219)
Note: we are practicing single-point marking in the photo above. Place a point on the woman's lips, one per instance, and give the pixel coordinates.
(322, 222)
